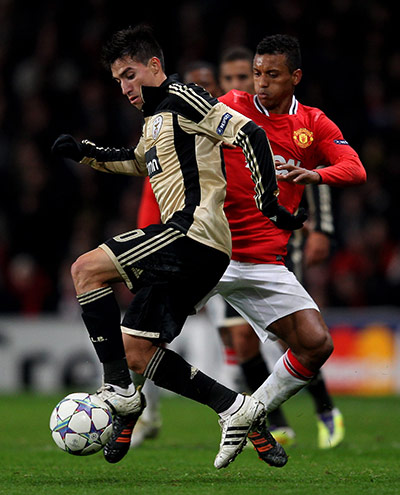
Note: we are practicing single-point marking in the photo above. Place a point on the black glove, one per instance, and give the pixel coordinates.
(289, 221)
(66, 146)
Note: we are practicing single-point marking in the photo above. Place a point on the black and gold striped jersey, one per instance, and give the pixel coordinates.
(180, 151)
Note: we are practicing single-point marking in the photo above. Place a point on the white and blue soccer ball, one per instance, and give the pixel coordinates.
(81, 424)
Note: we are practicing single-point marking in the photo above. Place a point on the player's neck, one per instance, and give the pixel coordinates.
(284, 106)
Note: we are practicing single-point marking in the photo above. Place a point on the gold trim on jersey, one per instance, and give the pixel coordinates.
(140, 333)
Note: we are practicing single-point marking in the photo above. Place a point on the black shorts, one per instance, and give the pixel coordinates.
(168, 272)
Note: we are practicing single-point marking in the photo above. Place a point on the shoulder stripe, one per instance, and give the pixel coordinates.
(184, 88)
(190, 96)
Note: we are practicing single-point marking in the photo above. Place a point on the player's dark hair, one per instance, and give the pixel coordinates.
(282, 44)
(237, 53)
(136, 42)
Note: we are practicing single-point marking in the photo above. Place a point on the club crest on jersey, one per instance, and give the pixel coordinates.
(224, 122)
(303, 137)
(157, 124)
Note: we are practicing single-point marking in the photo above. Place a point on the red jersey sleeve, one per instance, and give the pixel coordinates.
(149, 212)
(344, 166)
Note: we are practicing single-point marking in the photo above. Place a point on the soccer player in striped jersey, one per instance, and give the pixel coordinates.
(169, 266)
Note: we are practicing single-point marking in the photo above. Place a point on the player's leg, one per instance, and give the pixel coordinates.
(256, 371)
(245, 345)
(330, 421)
(310, 345)
(271, 299)
(92, 274)
(157, 315)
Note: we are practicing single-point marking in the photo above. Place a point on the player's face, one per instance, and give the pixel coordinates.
(205, 78)
(237, 74)
(131, 75)
(274, 84)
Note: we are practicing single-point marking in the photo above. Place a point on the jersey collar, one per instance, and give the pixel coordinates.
(153, 95)
(260, 107)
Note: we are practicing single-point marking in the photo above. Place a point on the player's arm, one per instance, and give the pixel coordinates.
(243, 132)
(127, 161)
(344, 166)
(208, 116)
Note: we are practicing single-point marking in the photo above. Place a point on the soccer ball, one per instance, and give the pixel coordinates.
(81, 424)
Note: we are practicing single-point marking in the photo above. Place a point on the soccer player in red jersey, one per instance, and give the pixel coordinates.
(307, 247)
(256, 283)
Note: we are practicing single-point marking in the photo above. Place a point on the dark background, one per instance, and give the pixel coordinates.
(51, 82)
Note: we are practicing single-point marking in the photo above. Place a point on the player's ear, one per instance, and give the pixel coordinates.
(154, 65)
(296, 76)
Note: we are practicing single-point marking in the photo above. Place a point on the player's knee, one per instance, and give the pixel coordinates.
(323, 347)
(327, 346)
(83, 273)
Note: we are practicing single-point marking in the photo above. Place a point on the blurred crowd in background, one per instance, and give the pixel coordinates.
(52, 82)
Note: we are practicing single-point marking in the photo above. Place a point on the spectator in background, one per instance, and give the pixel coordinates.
(235, 70)
(204, 74)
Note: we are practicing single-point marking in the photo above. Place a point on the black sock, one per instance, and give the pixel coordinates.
(256, 371)
(101, 315)
(317, 388)
(170, 371)
(117, 373)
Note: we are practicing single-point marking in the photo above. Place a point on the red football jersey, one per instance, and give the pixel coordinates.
(306, 138)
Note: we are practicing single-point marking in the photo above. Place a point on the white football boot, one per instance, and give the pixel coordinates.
(126, 405)
(236, 428)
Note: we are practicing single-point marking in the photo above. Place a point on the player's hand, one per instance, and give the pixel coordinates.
(285, 220)
(67, 146)
(228, 146)
(297, 175)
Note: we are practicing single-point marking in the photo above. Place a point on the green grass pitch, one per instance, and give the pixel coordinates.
(180, 461)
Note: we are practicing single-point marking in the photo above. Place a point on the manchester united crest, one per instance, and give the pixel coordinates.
(303, 137)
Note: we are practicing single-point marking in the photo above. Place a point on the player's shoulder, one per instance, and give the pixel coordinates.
(190, 100)
(190, 92)
(313, 115)
(236, 97)
(312, 112)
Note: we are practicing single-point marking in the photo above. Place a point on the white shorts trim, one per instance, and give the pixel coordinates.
(262, 294)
